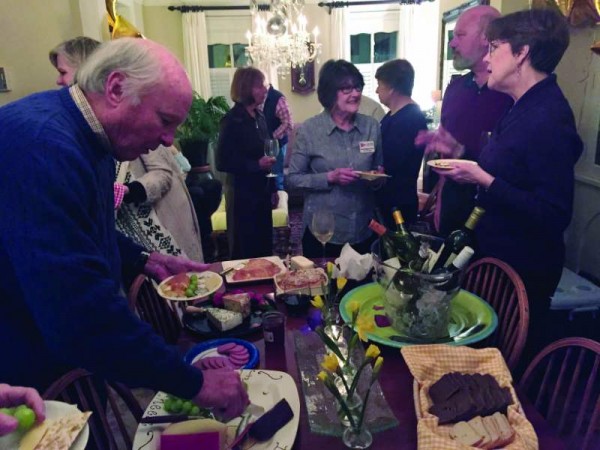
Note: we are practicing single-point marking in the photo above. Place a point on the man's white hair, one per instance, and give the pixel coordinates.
(130, 56)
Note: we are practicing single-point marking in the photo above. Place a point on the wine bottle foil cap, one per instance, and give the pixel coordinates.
(397, 215)
(463, 257)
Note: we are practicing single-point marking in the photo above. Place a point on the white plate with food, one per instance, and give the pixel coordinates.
(255, 269)
(302, 281)
(190, 286)
(265, 389)
(448, 164)
(371, 175)
(72, 427)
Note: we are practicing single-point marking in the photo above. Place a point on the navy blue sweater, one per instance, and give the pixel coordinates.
(532, 154)
(60, 258)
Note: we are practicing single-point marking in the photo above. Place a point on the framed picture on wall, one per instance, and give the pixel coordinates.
(449, 18)
(303, 79)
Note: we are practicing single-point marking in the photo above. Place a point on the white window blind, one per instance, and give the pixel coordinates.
(225, 28)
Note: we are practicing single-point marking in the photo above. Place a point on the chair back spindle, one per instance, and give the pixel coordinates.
(563, 381)
(106, 401)
(500, 285)
(152, 308)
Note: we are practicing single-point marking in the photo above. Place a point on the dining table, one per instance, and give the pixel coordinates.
(395, 380)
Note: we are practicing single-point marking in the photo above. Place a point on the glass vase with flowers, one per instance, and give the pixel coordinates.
(352, 408)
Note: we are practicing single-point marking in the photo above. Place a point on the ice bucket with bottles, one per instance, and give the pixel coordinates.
(416, 303)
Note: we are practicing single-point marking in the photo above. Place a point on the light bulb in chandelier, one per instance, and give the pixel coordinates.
(276, 26)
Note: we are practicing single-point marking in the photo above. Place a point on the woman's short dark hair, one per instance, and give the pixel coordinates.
(544, 30)
(397, 74)
(335, 75)
(244, 79)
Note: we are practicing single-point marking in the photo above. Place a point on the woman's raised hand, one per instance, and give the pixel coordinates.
(440, 141)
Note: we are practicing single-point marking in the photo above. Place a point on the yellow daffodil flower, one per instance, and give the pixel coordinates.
(330, 267)
(353, 306)
(364, 325)
(341, 282)
(377, 366)
(330, 362)
(322, 376)
(372, 352)
(317, 302)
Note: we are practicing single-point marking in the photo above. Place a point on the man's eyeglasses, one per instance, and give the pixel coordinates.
(349, 89)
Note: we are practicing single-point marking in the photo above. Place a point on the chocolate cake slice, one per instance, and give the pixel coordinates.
(444, 388)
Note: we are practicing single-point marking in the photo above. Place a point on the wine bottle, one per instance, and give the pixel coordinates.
(461, 260)
(455, 267)
(457, 240)
(406, 244)
(386, 240)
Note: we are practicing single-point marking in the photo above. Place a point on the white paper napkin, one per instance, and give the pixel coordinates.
(352, 265)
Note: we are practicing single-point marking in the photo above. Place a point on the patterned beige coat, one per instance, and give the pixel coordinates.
(163, 180)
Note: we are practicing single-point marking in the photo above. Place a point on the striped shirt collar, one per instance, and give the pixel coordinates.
(89, 116)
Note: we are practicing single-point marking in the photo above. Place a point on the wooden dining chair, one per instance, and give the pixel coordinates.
(500, 285)
(115, 411)
(563, 383)
(152, 308)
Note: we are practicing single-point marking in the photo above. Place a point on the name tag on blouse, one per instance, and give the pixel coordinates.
(366, 146)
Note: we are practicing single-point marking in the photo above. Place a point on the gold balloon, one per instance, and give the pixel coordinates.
(564, 6)
(111, 9)
(118, 26)
(122, 28)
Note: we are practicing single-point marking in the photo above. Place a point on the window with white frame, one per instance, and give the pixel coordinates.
(386, 33)
(373, 41)
(226, 50)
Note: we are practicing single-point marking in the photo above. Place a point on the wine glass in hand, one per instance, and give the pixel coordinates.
(323, 226)
(271, 150)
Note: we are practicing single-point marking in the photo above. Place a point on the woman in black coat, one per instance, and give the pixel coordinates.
(240, 153)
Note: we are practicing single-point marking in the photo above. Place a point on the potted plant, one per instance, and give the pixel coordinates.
(200, 127)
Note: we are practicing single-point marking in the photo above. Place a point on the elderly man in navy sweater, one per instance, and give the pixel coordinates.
(60, 257)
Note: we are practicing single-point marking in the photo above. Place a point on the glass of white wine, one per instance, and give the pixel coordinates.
(323, 226)
(272, 150)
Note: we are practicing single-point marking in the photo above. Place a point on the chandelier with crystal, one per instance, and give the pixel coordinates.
(280, 39)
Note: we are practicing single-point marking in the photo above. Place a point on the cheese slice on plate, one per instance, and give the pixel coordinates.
(32, 438)
(207, 434)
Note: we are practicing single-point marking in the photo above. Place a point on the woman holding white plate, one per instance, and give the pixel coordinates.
(330, 156)
(525, 175)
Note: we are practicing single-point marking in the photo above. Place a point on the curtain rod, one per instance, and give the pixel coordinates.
(266, 7)
(198, 8)
(331, 5)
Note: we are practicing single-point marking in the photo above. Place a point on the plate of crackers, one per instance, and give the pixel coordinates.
(448, 164)
(65, 427)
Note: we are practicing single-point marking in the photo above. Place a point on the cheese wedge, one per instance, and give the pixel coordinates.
(301, 262)
(205, 434)
(223, 319)
(33, 437)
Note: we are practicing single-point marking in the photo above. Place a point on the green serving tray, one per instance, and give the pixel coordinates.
(467, 311)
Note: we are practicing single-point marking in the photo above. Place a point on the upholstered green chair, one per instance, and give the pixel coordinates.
(281, 224)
